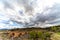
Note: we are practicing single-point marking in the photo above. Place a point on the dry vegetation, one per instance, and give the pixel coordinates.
(52, 33)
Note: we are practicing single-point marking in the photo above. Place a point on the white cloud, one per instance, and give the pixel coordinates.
(37, 13)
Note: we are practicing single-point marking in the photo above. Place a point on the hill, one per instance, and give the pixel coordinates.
(29, 33)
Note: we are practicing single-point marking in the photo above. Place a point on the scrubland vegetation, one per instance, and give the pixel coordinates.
(52, 33)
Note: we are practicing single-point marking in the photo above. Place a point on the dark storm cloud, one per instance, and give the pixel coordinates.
(52, 15)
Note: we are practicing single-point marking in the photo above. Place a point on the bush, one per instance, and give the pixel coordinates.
(54, 28)
(47, 34)
(32, 34)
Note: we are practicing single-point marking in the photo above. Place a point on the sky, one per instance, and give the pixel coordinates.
(29, 13)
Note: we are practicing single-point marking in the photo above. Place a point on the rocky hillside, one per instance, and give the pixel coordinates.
(30, 34)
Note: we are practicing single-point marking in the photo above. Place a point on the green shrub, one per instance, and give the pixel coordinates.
(54, 28)
(40, 34)
(32, 34)
(47, 34)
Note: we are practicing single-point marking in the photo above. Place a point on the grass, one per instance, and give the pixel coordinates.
(52, 33)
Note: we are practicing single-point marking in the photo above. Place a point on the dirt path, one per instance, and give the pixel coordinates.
(55, 36)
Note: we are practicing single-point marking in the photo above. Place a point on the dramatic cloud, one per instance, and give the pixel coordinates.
(29, 13)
